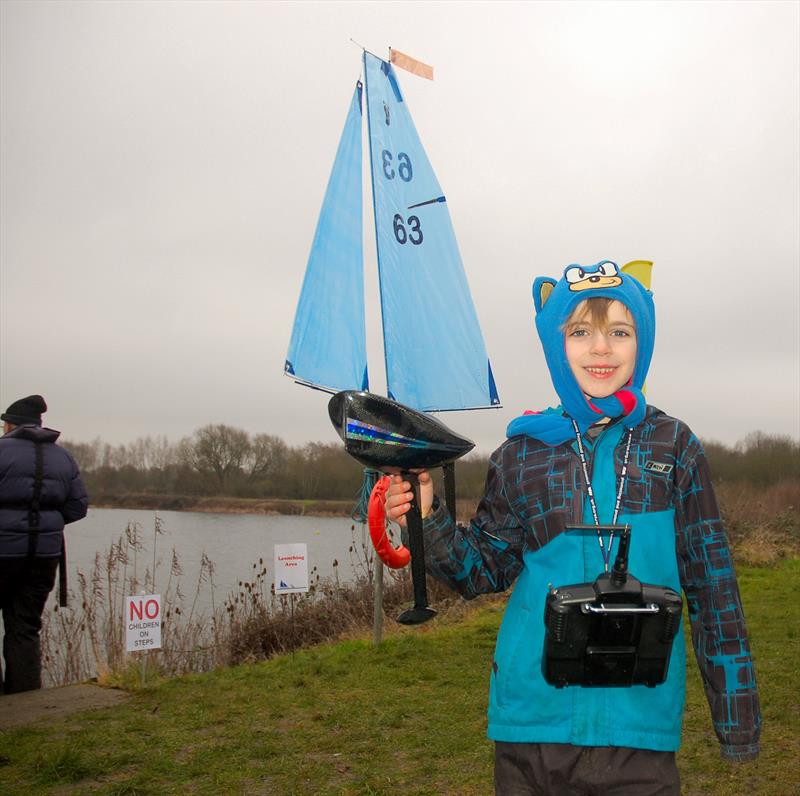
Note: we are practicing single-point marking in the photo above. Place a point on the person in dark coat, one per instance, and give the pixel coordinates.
(41, 490)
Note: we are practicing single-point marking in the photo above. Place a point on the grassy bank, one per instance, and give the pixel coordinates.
(407, 717)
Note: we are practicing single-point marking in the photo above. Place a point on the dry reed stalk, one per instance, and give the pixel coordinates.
(253, 622)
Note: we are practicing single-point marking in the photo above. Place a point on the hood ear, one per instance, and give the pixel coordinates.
(640, 270)
(542, 288)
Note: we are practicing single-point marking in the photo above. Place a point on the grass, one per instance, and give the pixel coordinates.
(350, 719)
(773, 619)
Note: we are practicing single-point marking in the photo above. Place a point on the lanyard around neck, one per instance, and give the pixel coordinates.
(606, 554)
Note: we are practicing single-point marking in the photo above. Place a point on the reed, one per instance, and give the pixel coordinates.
(87, 639)
(252, 623)
(763, 522)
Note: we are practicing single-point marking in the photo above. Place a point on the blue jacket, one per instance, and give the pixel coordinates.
(677, 539)
(63, 496)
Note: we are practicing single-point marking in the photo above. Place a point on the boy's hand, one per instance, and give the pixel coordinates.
(399, 494)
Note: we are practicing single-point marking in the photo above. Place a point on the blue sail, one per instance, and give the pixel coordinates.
(435, 354)
(328, 345)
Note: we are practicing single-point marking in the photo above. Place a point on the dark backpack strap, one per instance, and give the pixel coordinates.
(33, 506)
(62, 573)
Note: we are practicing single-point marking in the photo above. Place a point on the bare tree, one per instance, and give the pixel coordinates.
(87, 454)
(218, 449)
(268, 455)
(148, 453)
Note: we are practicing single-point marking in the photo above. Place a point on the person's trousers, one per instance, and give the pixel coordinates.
(24, 586)
(552, 769)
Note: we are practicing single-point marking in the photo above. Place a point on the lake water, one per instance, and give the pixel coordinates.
(233, 542)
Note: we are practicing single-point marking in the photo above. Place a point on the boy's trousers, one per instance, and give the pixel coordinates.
(553, 769)
(24, 587)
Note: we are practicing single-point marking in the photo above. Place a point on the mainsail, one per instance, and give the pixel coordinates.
(435, 355)
(433, 348)
(328, 347)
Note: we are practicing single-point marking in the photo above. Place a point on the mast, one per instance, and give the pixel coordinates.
(375, 219)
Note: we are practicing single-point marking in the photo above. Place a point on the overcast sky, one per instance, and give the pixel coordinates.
(163, 165)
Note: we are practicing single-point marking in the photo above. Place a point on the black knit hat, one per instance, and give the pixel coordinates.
(25, 411)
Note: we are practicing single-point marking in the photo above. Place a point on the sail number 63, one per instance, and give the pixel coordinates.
(413, 233)
(404, 168)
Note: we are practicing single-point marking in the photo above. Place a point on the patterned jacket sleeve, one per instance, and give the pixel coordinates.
(719, 634)
(484, 556)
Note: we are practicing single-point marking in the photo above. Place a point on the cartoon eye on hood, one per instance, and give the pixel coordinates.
(605, 274)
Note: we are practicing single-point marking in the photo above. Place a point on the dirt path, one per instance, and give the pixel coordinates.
(17, 710)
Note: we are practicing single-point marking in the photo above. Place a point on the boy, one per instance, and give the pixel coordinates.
(602, 457)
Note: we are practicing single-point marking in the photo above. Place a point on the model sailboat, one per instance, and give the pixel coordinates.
(434, 352)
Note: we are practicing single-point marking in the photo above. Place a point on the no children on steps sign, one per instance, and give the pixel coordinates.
(143, 622)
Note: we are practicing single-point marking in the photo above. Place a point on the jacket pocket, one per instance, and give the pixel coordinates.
(512, 655)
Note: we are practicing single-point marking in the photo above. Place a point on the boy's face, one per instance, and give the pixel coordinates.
(601, 356)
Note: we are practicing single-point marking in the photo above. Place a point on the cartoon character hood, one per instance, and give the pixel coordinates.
(556, 300)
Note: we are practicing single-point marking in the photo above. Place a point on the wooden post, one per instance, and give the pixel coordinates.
(144, 655)
(377, 606)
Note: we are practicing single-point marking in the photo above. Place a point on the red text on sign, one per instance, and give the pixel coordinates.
(140, 609)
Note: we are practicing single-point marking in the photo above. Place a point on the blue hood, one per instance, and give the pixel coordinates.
(555, 301)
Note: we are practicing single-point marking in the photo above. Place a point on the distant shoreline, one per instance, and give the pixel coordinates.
(233, 505)
(224, 505)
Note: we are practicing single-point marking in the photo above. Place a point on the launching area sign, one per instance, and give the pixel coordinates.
(291, 568)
